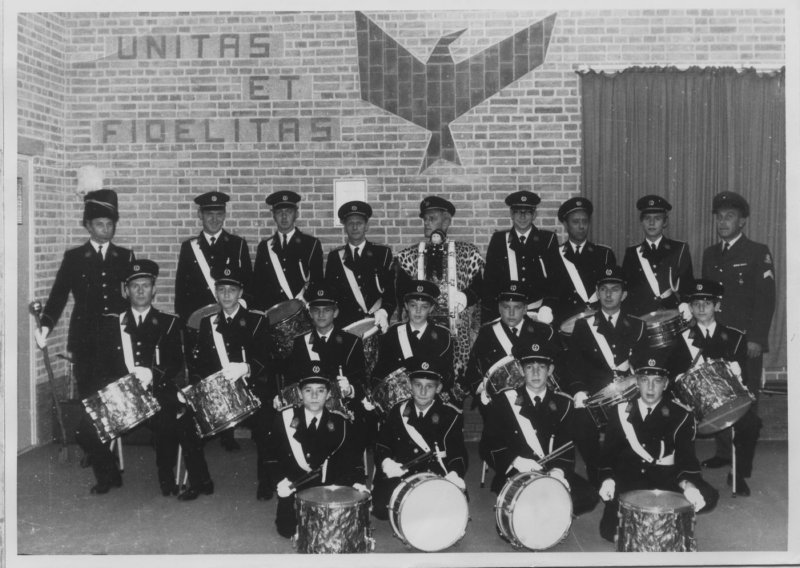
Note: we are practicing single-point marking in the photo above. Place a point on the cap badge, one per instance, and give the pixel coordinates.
(608, 272)
(535, 347)
(699, 286)
(578, 203)
(227, 272)
(420, 288)
(651, 202)
(136, 267)
(513, 288)
(285, 198)
(425, 366)
(425, 203)
(320, 293)
(524, 198)
(213, 198)
(354, 208)
(651, 362)
(315, 369)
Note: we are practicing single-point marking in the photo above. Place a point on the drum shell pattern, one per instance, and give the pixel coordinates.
(655, 521)
(120, 406)
(327, 526)
(219, 404)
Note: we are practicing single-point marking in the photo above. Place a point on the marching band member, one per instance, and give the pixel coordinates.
(658, 270)
(289, 261)
(650, 445)
(213, 249)
(415, 427)
(360, 271)
(417, 337)
(578, 263)
(310, 446)
(147, 343)
(524, 425)
(519, 254)
(705, 340)
(234, 341)
(496, 339)
(456, 269)
(747, 273)
(94, 273)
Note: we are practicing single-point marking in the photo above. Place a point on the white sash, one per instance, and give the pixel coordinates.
(605, 349)
(413, 432)
(421, 260)
(636, 446)
(351, 280)
(127, 347)
(525, 425)
(219, 343)
(651, 277)
(313, 355)
(405, 345)
(297, 449)
(576, 278)
(693, 351)
(277, 267)
(452, 286)
(203, 264)
(502, 337)
(512, 259)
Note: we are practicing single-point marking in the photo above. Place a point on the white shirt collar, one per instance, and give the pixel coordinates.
(325, 336)
(233, 315)
(614, 316)
(289, 235)
(575, 246)
(525, 234)
(95, 244)
(655, 242)
(533, 394)
(136, 313)
(418, 410)
(209, 235)
(359, 248)
(732, 241)
(421, 330)
(643, 407)
(711, 328)
(310, 415)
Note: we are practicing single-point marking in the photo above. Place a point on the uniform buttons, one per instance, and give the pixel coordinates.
(104, 284)
(416, 450)
(102, 274)
(138, 352)
(284, 270)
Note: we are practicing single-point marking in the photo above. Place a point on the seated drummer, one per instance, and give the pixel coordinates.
(234, 340)
(526, 424)
(310, 438)
(707, 340)
(414, 428)
(417, 338)
(650, 445)
(147, 343)
(496, 339)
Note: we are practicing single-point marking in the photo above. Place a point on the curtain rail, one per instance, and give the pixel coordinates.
(605, 68)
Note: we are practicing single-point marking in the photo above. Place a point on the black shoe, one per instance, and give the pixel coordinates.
(742, 489)
(264, 491)
(716, 462)
(230, 444)
(169, 488)
(116, 479)
(193, 493)
(101, 488)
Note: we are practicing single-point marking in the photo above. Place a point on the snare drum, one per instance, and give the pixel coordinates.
(655, 521)
(119, 407)
(368, 332)
(428, 512)
(662, 327)
(333, 519)
(219, 403)
(287, 320)
(606, 399)
(505, 374)
(715, 394)
(568, 325)
(393, 389)
(290, 395)
(533, 511)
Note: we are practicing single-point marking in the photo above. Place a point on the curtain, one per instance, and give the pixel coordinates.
(687, 135)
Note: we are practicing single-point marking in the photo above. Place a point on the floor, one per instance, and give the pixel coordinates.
(57, 515)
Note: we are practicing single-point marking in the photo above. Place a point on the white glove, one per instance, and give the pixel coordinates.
(382, 320)
(40, 335)
(284, 488)
(277, 403)
(694, 497)
(361, 487)
(392, 469)
(144, 375)
(344, 386)
(736, 369)
(525, 464)
(545, 315)
(453, 478)
(368, 406)
(580, 399)
(233, 371)
(459, 301)
(685, 310)
(557, 473)
(485, 398)
(607, 490)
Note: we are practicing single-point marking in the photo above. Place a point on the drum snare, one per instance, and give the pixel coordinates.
(568, 325)
(393, 389)
(655, 521)
(663, 327)
(120, 406)
(505, 374)
(333, 519)
(621, 389)
(287, 320)
(368, 332)
(219, 403)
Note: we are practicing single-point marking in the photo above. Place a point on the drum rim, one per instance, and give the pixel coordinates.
(362, 497)
(361, 322)
(738, 410)
(230, 423)
(683, 508)
(289, 316)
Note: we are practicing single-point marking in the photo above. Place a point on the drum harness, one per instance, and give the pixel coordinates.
(653, 281)
(636, 446)
(284, 284)
(359, 297)
(575, 277)
(420, 441)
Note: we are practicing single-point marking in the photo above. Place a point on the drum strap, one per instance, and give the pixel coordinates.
(576, 278)
(277, 267)
(219, 343)
(636, 446)
(127, 346)
(405, 344)
(359, 297)
(502, 337)
(605, 349)
(294, 445)
(308, 339)
(696, 354)
(413, 432)
(513, 273)
(528, 431)
(650, 275)
(203, 264)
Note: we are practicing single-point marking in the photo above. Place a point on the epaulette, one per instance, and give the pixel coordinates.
(490, 323)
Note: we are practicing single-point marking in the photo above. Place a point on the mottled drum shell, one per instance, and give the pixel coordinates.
(120, 406)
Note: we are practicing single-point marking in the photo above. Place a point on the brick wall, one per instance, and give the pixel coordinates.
(526, 136)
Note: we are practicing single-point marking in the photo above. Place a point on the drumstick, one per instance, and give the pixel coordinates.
(556, 453)
(311, 475)
(417, 460)
(439, 458)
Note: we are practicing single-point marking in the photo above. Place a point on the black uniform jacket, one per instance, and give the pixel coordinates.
(156, 344)
(434, 344)
(191, 289)
(300, 262)
(96, 287)
(747, 272)
(586, 367)
(332, 440)
(373, 274)
(487, 350)
(670, 430)
(442, 426)
(503, 441)
(725, 343)
(671, 264)
(590, 264)
(342, 349)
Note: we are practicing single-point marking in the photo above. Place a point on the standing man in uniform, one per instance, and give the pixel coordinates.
(289, 261)
(658, 270)
(519, 254)
(94, 273)
(213, 249)
(578, 263)
(746, 271)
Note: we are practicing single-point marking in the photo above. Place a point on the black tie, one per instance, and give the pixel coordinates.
(725, 247)
(228, 320)
(356, 256)
(420, 416)
(100, 252)
(313, 425)
(653, 247)
(536, 401)
(610, 321)
(522, 240)
(708, 335)
(416, 334)
(649, 410)
(284, 241)
(140, 320)
(578, 250)
(515, 331)
(212, 240)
